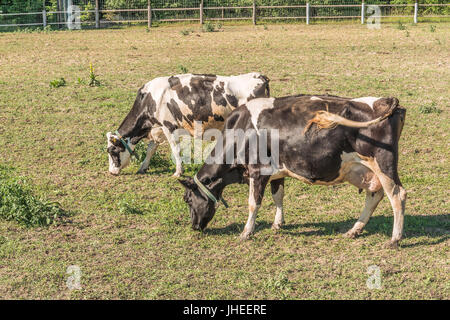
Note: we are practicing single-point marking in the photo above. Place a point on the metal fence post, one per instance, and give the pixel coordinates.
(307, 13)
(44, 18)
(363, 5)
(149, 14)
(254, 12)
(97, 15)
(201, 12)
(416, 11)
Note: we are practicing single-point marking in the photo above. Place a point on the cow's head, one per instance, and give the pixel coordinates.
(119, 156)
(202, 208)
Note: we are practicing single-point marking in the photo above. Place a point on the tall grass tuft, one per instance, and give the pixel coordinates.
(18, 202)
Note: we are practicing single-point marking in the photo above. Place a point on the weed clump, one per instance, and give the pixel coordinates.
(61, 82)
(93, 81)
(211, 27)
(429, 109)
(18, 202)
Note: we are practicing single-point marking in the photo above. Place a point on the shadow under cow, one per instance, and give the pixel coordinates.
(436, 227)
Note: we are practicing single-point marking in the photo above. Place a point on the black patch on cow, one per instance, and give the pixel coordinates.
(218, 95)
(190, 117)
(187, 120)
(198, 96)
(175, 110)
(218, 118)
(169, 126)
(139, 121)
(154, 121)
(149, 103)
(232, 100)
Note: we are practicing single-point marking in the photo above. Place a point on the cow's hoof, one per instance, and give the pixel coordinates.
(352, 234)
(276, 226)
(391, 244)
(141, 172)
(176, 175)
(244, 236)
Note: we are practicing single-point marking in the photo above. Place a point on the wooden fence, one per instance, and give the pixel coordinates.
(198, 14)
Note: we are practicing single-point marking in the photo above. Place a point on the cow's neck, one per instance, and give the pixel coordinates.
(216, 177)
(135, 128)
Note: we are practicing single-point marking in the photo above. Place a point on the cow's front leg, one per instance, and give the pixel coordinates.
(277, 188)
(256, 193)
(176, 150)
(152, 146)
(372, 200)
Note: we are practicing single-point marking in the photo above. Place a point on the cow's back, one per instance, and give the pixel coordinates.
(205, 99)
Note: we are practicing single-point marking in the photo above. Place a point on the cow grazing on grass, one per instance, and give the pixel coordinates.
(169, 103)
(323, 140)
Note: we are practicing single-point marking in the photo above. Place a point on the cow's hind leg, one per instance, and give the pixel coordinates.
(277, 188)
(372, 200)
(256, 193)
(397, 196)
(152, 146)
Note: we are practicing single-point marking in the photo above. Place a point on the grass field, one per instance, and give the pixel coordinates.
(131, 236)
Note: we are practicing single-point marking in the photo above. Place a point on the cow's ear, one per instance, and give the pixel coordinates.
(188, 183)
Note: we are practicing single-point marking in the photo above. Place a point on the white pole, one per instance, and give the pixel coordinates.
(201, 12)
(97, 15)
(44, 18)
(363, 5)
(416, 11)
(307, 13)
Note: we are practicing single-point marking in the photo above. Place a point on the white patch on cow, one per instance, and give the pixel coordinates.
(256, 106)
(243, 85)
(367, 100)
(316, 98)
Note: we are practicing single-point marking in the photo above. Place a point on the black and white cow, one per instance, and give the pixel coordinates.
(169, 103)
(323, 140)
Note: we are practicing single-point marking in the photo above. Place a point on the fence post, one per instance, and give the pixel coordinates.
(363, 5)
(254, 12)
(97, 15)
(416, 11)
(201, 12)
(307, 13)
(149, 14)
(44, 18)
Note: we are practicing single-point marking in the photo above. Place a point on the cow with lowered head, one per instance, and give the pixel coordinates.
(177, 102)
(322, 140)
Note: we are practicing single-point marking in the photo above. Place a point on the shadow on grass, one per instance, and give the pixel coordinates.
(436, 227)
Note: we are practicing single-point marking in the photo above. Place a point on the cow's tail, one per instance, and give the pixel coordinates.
(327, 120)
